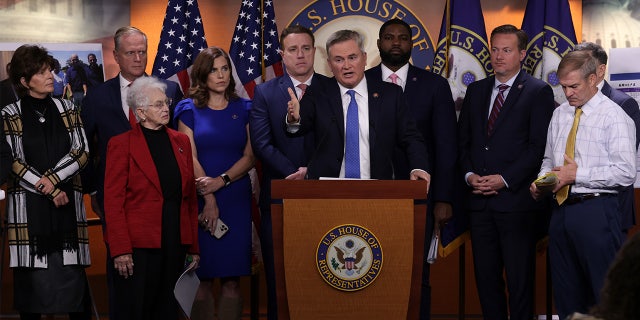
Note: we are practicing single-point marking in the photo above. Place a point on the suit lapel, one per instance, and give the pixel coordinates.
(141, 155)
(181, 154)
(335, 104)
(116, 100)
(375, 99)
(412, 82)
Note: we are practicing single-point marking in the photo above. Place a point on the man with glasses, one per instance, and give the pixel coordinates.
(106, 114)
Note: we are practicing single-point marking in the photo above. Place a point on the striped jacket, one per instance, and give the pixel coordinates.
(24, 178)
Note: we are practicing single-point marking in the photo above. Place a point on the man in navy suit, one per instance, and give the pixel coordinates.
(630, 106)
(381, 120)
(106, 114)
(503, 129)
(282, 157)
(431, 105)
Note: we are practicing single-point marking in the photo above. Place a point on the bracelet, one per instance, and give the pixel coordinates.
(225, 179)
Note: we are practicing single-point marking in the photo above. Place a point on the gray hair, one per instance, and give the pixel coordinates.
(345, 35)
(578, 60)
(138, 95)
(126, 31)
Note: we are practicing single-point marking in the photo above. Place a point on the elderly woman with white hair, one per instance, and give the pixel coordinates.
(150, 207)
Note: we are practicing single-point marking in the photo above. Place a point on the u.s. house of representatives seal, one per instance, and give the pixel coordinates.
(349, 257)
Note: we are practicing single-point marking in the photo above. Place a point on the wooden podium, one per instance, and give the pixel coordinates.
(307, 215)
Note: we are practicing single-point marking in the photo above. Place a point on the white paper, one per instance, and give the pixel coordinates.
(185, 290)
(433, 249)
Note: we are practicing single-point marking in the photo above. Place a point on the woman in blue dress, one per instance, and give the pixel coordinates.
(216, 121)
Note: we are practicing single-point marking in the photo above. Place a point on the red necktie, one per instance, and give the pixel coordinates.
(497, 106)
(132, 118)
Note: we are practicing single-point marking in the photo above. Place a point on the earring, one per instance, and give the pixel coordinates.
(143, 119)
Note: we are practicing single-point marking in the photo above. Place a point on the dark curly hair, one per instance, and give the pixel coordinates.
(621, 291)
(200, 72)
(28, 60)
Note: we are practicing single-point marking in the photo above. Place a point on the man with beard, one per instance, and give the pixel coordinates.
(431, 105)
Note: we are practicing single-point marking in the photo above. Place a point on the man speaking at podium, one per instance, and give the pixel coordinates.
(357, 122)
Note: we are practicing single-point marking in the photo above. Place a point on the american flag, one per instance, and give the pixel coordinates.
(181, 39)
(255, 49)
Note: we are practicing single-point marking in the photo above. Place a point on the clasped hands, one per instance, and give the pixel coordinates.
(566, 176)
(486, 185)
(45, 186)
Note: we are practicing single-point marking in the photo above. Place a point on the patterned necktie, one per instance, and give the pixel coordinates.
(569, 150)
(497, 106)
(394, 78)
(352, 140)
(303, 89)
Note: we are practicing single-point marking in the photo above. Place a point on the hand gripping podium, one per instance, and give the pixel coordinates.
(348, 248)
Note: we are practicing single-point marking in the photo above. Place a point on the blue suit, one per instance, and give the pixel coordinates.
(102, 118)
(430, 103)
(390, 126)
(626, 195)
(502, 229)
(280, 156)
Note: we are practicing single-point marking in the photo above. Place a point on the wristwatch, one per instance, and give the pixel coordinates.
(225, 179)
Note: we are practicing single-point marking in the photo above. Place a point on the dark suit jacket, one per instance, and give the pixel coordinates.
(7, 93)
(430, 103)
(280, 154)
(627, 194)
(133, 195)
(390, 125)
(103, 118)
(516, 147)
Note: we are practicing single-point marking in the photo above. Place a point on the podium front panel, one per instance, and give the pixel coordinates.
(306, 221)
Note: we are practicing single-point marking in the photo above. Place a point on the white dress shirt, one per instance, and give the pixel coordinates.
(362, 98)
(124, 89)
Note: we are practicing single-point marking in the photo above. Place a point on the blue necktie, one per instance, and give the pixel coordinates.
(352, 140)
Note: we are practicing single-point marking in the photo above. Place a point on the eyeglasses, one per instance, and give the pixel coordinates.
(161, 103)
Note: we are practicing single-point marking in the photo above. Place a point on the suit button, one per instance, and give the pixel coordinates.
(486, 148)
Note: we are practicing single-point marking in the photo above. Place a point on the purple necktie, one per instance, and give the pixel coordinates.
(497, 106)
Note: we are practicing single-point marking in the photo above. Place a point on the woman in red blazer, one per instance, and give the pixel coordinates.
(150, 207)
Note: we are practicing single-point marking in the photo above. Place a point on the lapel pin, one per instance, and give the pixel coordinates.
(414, 79)
(234, 117)
(520, 86)
(180, 149)
(375, 95)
